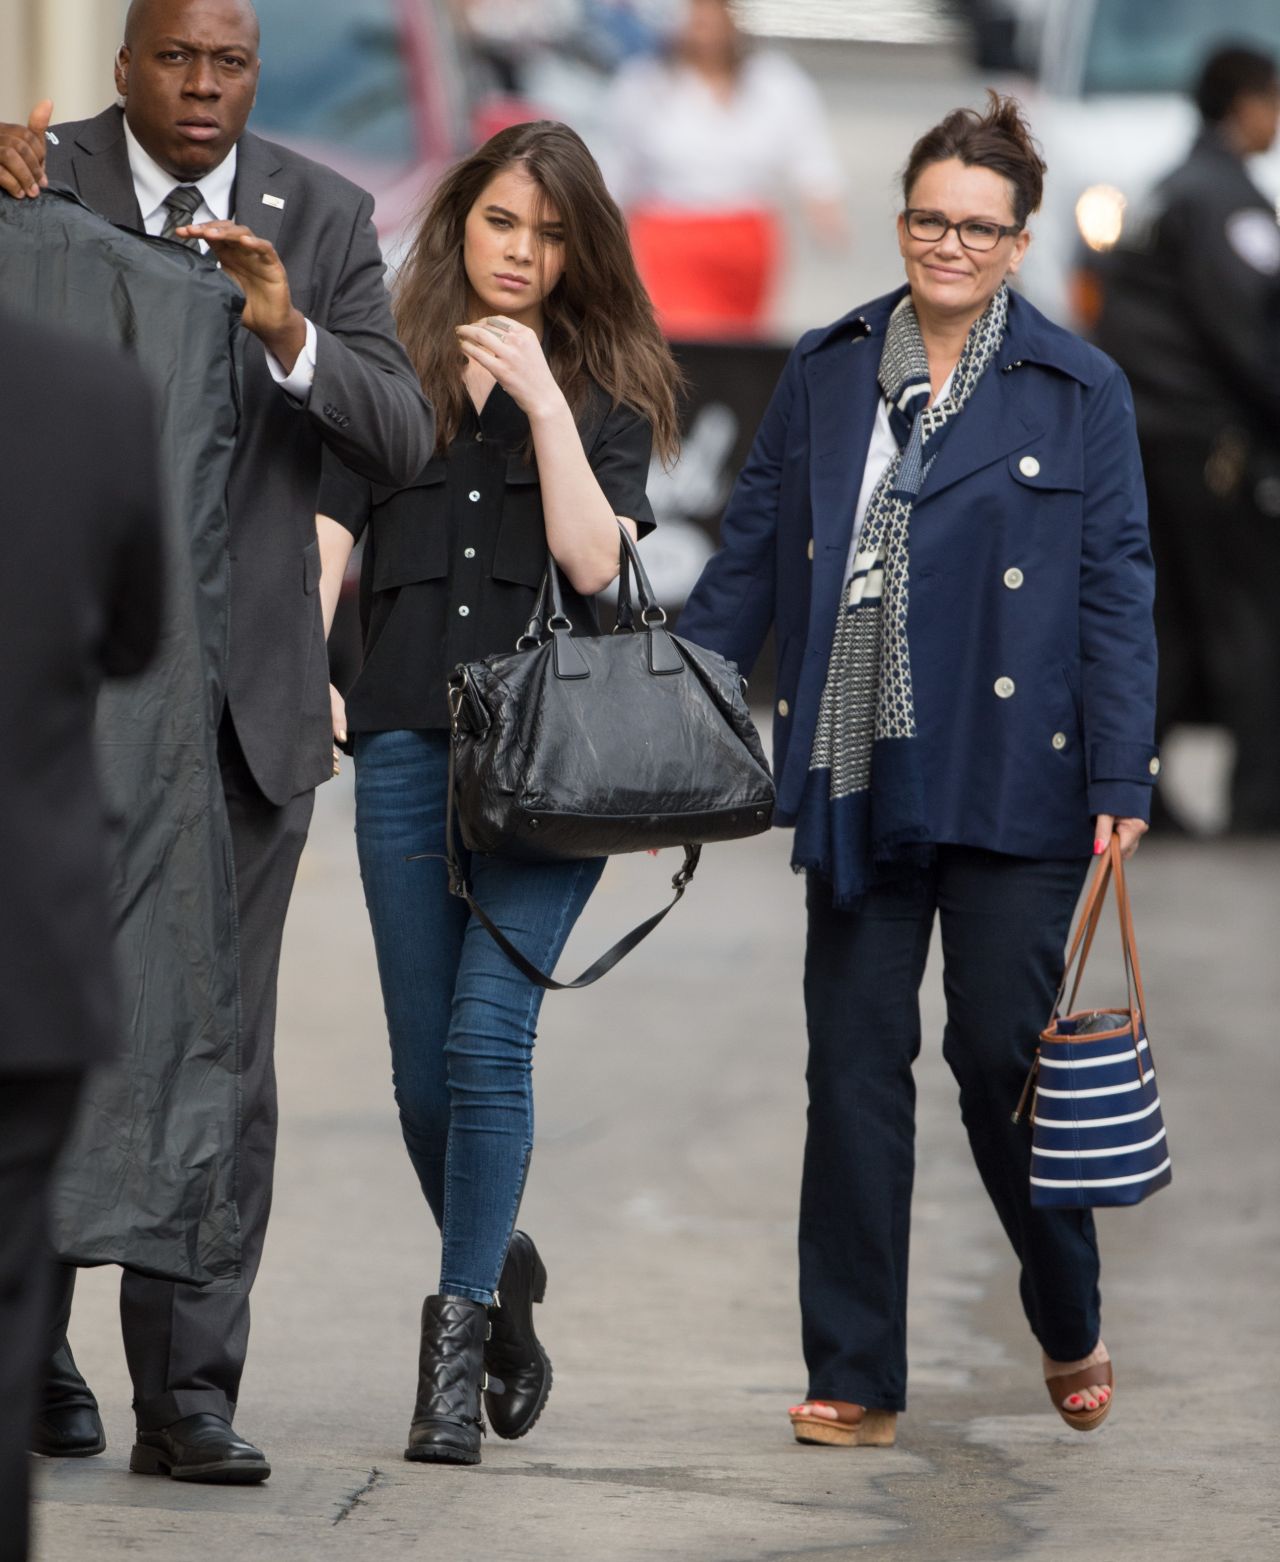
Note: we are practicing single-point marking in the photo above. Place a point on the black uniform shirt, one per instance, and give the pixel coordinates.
(1191, 301)
(453, 563)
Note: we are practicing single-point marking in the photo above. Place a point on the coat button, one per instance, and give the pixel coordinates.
(464, 611)
(468, 553)
(1029, 466)
(474, 495)
(783, 708)
(1154, 767)
(1059, 740)
(811, 550)
(1004, 687)
(1013, 578)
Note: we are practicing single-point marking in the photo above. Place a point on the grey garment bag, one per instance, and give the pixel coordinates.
(149, 1178)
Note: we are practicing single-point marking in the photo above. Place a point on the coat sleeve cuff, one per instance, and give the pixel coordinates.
(1121, 799)
(1138, 763)
(1121, 777)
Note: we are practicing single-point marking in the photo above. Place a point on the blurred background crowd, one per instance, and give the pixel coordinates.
(754, 147)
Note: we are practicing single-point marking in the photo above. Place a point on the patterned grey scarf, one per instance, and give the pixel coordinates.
(867, 700)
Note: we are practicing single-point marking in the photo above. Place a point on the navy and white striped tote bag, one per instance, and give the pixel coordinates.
(1098, 1135)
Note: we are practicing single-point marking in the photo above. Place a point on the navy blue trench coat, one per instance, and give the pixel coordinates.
(1030, 621)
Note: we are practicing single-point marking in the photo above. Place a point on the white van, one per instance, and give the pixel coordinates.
(1111, 107)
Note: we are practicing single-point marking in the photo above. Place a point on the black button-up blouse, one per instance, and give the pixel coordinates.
(453, 563)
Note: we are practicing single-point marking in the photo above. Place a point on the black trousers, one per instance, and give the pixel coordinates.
(36, 1114)
(1217, 620)
(186, 1346)
(1004, 923)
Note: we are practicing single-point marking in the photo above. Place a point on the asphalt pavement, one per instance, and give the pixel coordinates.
(663, 1195)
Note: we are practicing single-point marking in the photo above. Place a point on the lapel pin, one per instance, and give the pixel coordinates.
(273, 200)
(49, 136)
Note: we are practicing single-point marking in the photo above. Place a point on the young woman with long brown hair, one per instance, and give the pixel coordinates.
(522, 311)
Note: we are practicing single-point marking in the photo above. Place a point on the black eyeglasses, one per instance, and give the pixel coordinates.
(973, 233)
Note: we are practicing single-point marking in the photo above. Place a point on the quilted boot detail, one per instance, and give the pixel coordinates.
(447, 1424)
(519, 1369)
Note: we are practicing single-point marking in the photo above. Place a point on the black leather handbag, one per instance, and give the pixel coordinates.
(573, 747)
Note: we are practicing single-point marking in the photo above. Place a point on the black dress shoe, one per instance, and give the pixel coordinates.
(199, 1448)
(519, 1369)
(447, 1426)
(67, 1425)
(68, 1432)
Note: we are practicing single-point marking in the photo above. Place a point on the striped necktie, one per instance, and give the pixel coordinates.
(180, 206)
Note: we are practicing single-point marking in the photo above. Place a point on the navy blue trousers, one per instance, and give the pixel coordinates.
(1004, 923)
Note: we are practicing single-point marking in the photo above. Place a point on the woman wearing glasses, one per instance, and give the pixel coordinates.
(943, 517)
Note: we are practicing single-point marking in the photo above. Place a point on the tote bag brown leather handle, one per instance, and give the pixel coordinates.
(1110, 869)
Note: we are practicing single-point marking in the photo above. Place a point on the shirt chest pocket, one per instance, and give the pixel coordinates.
(520, 548)
(410, 533)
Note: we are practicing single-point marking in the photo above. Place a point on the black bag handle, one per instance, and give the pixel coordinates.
(651, 615)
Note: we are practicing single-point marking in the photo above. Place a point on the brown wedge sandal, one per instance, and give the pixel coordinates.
(855, 1426)
(1068, 1383)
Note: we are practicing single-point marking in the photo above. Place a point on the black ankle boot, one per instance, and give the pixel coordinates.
(447, 1425)
(518, 1367)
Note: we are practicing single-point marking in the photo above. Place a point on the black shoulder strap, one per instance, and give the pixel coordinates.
(458, 886)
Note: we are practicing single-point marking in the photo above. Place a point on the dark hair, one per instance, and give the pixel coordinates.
(1229, 74)
(739, 44)
(599, 321)
(1000, 139)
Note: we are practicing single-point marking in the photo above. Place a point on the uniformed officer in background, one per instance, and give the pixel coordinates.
(1191, 310)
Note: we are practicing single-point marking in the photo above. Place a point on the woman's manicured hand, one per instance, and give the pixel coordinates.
(512, 353)
(1130, 832)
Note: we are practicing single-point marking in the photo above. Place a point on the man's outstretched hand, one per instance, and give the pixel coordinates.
(22, 149)
(252, 263)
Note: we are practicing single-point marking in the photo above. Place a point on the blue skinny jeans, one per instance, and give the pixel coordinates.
(461, 1018)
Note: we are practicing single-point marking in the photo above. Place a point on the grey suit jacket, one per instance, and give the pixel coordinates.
(365, 405)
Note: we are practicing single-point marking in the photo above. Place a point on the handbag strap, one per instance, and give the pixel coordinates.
(1086, 928)
(458, 886)
(1110, 869)
(1129, 936)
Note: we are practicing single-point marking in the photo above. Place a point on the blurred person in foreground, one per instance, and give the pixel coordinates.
(1191, 311)
(84, 605)
(704, 146)
(521, 309)
(943, 518)
(178, 161)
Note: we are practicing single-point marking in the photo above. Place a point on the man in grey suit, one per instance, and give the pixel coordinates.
(322, 368)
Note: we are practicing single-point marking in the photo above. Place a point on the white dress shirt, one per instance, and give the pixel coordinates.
(153, 187)
(880, 452)
(674, 142)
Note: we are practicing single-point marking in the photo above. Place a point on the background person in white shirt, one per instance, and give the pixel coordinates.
(705, 147)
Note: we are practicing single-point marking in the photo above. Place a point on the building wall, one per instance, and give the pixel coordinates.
(59, 49)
